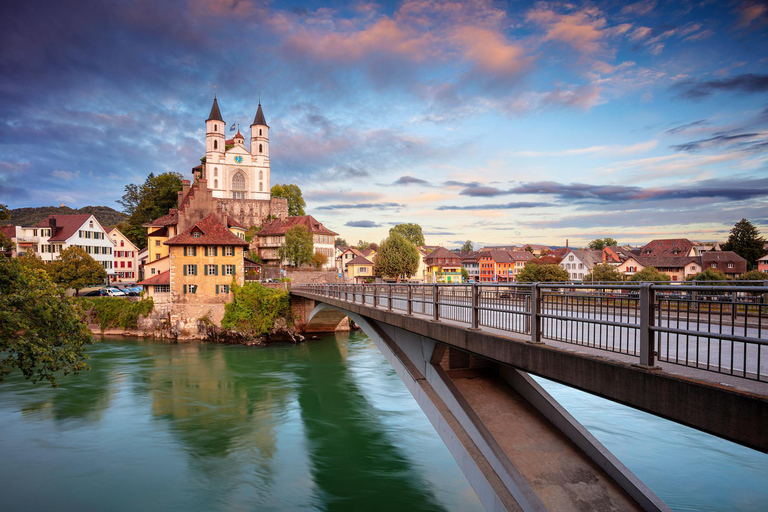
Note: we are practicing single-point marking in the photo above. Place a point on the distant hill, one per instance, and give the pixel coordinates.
(108, 217)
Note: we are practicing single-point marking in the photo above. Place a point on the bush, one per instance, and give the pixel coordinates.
(650, 274)
(536, 273)
(117, 311)
(255, 308)
(710, 274)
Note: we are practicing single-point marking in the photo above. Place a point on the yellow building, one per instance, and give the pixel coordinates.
(126, 257)
(359, 269)
(204, 260)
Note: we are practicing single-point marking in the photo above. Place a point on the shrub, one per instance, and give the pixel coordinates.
(117, 311)
(255, 308)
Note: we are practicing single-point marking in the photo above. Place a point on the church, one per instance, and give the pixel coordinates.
(232, 169)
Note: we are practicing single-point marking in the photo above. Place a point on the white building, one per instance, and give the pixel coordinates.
(232, 170)
(580, 263)
(58, 232)
(126, 257)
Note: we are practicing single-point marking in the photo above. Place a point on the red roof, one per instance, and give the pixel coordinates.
(724, 257)
(211, 232)
(66, 225)
(232, 223)
(441, 253)
(239, 135)
(279, 227)
(359, 260)
(9, 231)
(171, 219)
(159, 279)
(667, 247)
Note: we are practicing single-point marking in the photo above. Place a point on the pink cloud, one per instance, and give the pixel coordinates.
(583, 29)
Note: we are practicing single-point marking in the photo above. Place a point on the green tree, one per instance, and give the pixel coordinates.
(292, 193)
(754, 275)
(6, 244)
(650, 275)
(255, 309)
(5, 214)
(146, 202)
(397, 257)
(604, 272)
(298, 247)
(340, 242)
(467, 247)
(318, 260)
(464, 274)
(362, 245)
(76, 269)
(535, 273)
(600, 243)
(710, 274)
(745, 240)
(411, 232)
(41, 329)
(33, 261)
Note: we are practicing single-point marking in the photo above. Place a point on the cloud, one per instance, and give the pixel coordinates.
(751, 12)
(362, 224)
(639, 8)
(685, 127)
(361, 206)
(463, 184)
(483, 192)
(506, 206)
(744, 141)
(746, 83)
(640, 147)
(581, 29)
(65, 175)
(410, 180)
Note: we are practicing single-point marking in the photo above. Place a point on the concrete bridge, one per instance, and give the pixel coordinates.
(465, 353)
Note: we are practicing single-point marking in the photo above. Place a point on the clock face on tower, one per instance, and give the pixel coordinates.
(238, 159)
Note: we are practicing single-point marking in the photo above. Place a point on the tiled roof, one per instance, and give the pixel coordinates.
(66, 225)
(159, 279)
(215, 114)
(536, 247)
(501, 256)
(359, 260)
(232, 223)
(667, 247)
(259, 118)
(442, 253)
(159, 232)
(171, 219)
(521, 255)
(739, 263)
(213, 232)
(471, 257)
(238, 135)
(280, 226)
(667, 261)
(368, 252)
(588, 257)
(9, 230)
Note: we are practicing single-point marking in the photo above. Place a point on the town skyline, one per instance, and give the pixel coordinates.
(500, 123)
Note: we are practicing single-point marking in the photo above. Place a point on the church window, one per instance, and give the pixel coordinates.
(215, 128)
(259, 131)
(260, 148)
(261, 186)
(238, 186)
(215, 183)
(261, 175)
(215, 144)
(215, 171)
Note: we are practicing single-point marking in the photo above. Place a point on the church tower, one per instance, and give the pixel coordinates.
(214, 135)
(260, 149)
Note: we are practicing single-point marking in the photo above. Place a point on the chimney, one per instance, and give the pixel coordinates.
(52, 223)
(566, 243)
(181, 197)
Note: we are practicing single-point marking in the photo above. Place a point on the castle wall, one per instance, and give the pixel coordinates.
(254, 212)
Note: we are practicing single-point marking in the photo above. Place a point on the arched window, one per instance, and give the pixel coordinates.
(215, 172)
(259, 131)
(215, 128)
(260, 148)
(261, 187)
(215, 144)
(261, 175)
(215, 183)
(238, 186)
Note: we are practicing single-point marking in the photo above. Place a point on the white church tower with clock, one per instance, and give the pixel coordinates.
(232, 170)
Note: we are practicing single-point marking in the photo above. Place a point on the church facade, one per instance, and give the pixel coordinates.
(234, 170)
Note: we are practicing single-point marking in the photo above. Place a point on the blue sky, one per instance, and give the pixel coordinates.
(499, 122)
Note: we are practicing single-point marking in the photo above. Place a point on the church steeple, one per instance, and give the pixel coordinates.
(215, 114)
(259, 119)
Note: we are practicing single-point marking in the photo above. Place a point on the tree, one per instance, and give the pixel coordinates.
(549, 259)
(340, 242)
(467, 247)
(710, 274)
(464, 274)
(41, 329)
(5, 214)
(650, 275)
(534, 273)
(754, 275)
(76, 269)
(411, 232)
(396, 257)
(745, 240)
(6, 244)
(362, 245)
(255, 309)
(604, 273)
(318, 260)
(292, 193)
(298, 247)
(601, 243)
(33, 261)
(146, 202)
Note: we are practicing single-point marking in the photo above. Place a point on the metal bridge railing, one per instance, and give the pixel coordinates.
(722, 329)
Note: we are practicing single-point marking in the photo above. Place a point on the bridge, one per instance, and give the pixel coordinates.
(697, 355)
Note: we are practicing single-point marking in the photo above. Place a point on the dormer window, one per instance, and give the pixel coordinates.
(195, 234)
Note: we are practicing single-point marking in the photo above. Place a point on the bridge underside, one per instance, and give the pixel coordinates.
(517, 447)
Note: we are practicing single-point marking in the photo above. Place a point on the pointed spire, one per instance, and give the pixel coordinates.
(259, 119)
(215, 114)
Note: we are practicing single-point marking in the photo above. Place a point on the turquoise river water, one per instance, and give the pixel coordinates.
(324, 425)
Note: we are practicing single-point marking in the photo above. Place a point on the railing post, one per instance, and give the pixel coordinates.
(535, 312)
(375, 296)
(475, 318)
(435, 302)
(409, 300)
(389, 297)
(647, 335)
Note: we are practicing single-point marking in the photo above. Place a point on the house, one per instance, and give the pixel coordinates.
(272, 237)
(158, 287)
(727, 262)
(520, 258)
(471, 263)
(701, 248)
(359, 269)
(142, 256)
(10, 233)
(668, 247)
(536, 249)
(762, 264)
(579, 263)
(678, 268)
(503, 266)
(345, 255)
(58, 232)
(205, 260)
(126, 257)
(630, 266)
(443, 266)
(615, 254)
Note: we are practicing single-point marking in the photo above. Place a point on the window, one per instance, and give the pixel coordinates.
(211, 270)
(215, 183)
(190, 270)
(130, 264)
(153, 271)
(228, 270)
(714, 265)
(157, 243)
(215, 128)
(260, 148)
(730, 265)
(261, 175)
(261, 187)
(229, 251)
(90, 224)
(122, 243)
(259, 131)
(157, 256)
(192, 288)
(570, 258)
(162, 288)
(238, 186)
(215, 145)
(215, 172)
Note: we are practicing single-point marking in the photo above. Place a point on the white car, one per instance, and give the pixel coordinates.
(115, 292)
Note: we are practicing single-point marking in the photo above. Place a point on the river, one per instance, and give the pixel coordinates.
(324, 425)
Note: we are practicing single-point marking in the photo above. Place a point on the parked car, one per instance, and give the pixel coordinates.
(115, 292)
(101, 292)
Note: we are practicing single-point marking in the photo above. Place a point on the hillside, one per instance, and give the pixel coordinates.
(108, 217)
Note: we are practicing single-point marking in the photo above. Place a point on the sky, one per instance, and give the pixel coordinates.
(496, 122)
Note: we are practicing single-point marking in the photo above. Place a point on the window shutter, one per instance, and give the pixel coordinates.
(217, 289)
(185, 273)
(223, 270)
(185, 250)
(234, 269)
(195, 270)
(185, 287)
(216, 270)
(194, 251)
(215, 250)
